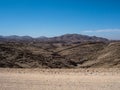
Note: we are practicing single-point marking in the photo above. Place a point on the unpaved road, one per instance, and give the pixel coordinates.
(58, 80)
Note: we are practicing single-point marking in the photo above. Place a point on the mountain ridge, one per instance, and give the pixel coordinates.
(66, 51)
(62, 38)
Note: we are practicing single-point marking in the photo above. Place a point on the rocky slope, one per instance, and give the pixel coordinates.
(60, 53)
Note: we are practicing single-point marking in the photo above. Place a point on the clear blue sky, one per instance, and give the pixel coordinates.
(56, 17)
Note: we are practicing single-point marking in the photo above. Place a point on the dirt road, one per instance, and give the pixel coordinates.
(58, 80)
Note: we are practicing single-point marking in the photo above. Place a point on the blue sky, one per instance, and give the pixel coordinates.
(56, 17)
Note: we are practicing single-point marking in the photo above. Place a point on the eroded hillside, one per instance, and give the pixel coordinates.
(59, 55)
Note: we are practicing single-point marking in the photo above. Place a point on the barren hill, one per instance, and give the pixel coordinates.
(67, 51)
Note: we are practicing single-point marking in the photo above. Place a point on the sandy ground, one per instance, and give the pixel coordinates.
(63, 79)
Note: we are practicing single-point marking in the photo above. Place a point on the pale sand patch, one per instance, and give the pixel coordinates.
(55, 79)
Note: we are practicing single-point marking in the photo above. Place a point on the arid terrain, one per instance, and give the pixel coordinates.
(68, 62)
(67, 51)
(59, 79)
(59, 44)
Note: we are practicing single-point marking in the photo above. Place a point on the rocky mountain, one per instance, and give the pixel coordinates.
(81, 52)
(67, 38)
(66, 51)
(16, 38)
(77, 38)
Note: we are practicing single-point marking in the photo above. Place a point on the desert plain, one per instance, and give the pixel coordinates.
(59, 79)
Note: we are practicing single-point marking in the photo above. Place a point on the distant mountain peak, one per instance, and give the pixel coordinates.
(68, 38)
(77, 38)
